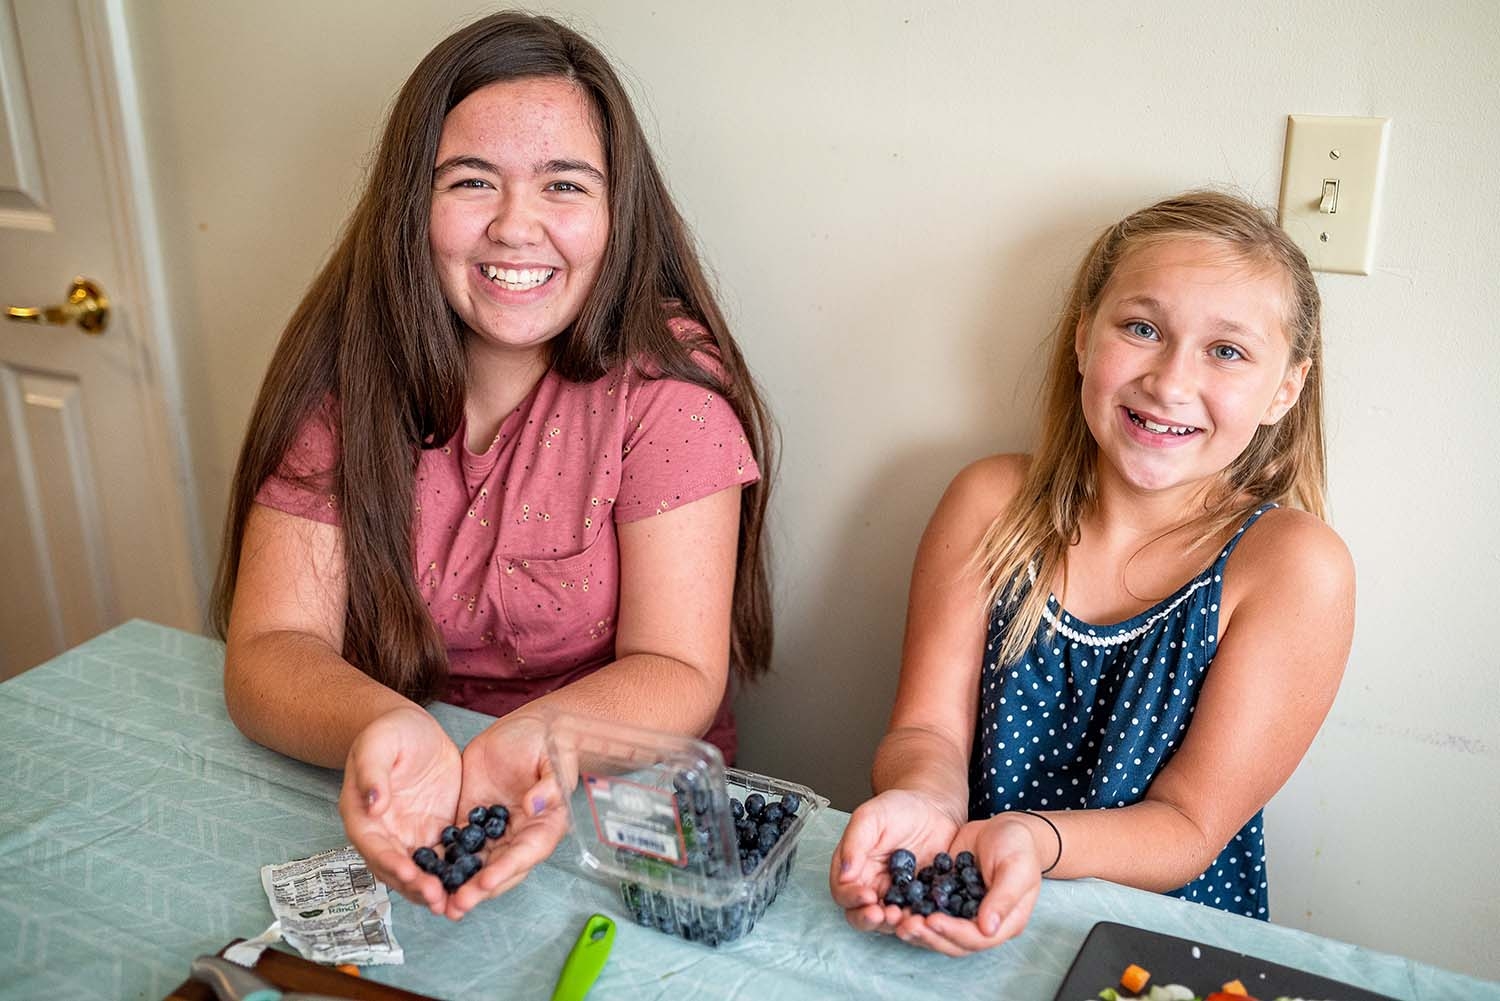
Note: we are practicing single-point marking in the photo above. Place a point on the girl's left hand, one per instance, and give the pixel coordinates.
(1006, 855)
(507, 764)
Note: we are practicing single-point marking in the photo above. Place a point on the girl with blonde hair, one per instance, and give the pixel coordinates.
(1120, 647)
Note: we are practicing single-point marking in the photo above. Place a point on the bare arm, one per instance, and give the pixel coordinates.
(285, 683)
(926, 747)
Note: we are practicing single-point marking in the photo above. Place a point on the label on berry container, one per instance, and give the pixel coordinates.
(635, 817)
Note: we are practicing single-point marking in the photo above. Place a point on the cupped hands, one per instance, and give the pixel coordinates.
(405, 781)
(1002, 846)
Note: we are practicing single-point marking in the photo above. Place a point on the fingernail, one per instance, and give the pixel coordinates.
(538, 804)
(991, 925)
(371, 796)
(844, 867)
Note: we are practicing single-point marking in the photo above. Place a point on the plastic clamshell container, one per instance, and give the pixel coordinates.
(650, 813)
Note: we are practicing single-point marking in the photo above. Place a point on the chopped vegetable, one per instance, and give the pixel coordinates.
(1170, 992)
(1134, 979)
(1235, 987)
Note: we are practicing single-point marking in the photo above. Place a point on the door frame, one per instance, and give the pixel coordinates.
(143, 295)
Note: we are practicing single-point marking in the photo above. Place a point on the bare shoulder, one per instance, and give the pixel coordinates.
(974, 499)
(1293, 556)
(984, 488)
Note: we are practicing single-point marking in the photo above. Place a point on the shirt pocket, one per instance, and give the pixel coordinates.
(562, 609)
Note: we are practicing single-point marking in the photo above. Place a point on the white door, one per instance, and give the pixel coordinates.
(93, 529)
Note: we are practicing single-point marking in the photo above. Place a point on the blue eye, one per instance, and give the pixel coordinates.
(1226, 352)
(1142, 329)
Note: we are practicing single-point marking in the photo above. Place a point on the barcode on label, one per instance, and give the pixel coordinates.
(360, 880)
(641, 839)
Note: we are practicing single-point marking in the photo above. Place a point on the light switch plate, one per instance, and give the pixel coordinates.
(1350, 151)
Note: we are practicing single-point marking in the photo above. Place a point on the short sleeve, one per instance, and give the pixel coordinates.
(304, 483)
(682, 443)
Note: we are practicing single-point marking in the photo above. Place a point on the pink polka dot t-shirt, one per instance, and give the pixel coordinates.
(516, 552)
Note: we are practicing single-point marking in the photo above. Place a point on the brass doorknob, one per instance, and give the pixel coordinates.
(87, 305)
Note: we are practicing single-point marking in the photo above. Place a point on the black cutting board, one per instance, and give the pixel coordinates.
(1111, 947)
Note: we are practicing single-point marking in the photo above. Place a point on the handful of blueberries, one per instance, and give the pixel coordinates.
(460, 860)
(951, 885)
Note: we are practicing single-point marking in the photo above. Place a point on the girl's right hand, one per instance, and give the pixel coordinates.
(401, 786)
(859, 875)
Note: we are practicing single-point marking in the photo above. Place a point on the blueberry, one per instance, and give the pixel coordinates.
(471, 838)
(453, 878)
(749, 861)
(916, 891)
(450, 834)
(927, 874)
(903, 861)
(454, 852)
(924, 907)
(772, 814)
(939, 899)
(767, 837)
(943, 862)
(963, 859)
(970, 909)
(895, 895)
(425, 858)
(736, 809)
(787, 821)
(754, 803)
(494, 827)
(468, 865)
(945, 885)
(791, 803)
(500, 812)
(477, 815)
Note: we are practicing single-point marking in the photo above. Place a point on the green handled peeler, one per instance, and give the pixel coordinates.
(584, 962)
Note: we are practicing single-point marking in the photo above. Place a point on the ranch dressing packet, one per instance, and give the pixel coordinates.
(332, 910)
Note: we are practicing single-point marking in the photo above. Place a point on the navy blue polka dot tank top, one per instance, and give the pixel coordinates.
(1091, 713)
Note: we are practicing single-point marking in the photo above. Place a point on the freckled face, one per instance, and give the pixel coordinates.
(1185, 356)
(520, 210)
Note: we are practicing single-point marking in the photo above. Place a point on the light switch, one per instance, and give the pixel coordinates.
(1330, 200)
(1330, 189)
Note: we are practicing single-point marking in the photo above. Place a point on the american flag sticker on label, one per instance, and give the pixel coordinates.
(636, 817)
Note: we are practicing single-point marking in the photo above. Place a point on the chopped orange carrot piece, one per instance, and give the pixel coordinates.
(1134, 979)
(1235, 987)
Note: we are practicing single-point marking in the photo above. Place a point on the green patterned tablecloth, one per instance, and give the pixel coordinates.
(134, 819)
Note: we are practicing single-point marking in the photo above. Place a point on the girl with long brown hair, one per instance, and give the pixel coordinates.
(507, 454)
(1120, 647)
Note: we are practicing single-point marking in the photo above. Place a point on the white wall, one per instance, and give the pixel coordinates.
(891, 194)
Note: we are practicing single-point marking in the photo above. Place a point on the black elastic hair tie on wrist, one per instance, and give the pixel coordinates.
(1055, 831)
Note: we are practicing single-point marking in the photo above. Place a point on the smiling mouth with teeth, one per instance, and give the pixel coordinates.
(518, 280)
(1155, 428)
